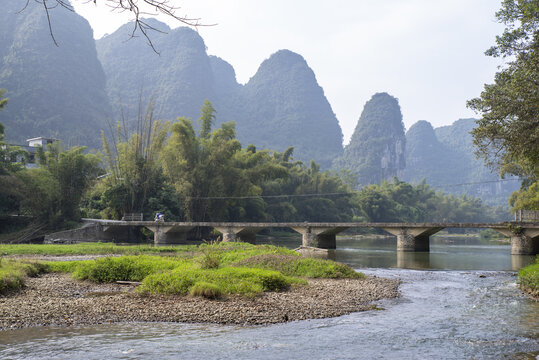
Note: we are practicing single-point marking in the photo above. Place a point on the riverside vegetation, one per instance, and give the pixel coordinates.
(529, 279)
(225, 283)
(209, 270)
(208, 176)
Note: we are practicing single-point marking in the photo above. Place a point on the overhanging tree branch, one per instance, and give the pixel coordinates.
(135, 7)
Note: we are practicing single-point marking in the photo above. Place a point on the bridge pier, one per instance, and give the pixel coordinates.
(239, 233)
(169, 234)
(412, 238)
(319, 237)
(524, 241)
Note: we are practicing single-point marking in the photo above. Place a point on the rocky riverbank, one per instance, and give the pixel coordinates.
(58, 300)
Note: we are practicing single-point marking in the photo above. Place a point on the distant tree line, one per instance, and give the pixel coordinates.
(208, 176)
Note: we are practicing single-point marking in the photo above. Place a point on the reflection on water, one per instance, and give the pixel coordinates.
(460, 253)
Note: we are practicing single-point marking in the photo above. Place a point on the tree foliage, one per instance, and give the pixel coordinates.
(507, 136)
(53, 192)
(208, 176)
(398, 201)
(134, 182)
(12, 158)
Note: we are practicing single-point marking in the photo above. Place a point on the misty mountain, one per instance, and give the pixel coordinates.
(282, 105)
(285, 106)
(376, 150)
(445, 158)
(53, 91)
(178, 79)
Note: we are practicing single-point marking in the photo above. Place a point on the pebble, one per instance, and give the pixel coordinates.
(59, 300)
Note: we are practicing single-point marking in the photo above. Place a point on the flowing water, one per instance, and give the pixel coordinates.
(457, 302)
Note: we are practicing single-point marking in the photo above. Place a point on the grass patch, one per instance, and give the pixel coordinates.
(300, 266)
(206, 290)
(229, 280)
(209, 270)
(233, 252)
(124, 268)
(529, 279)
(97, 248)
(13, 274)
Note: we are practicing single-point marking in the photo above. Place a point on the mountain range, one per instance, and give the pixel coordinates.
(75, 90)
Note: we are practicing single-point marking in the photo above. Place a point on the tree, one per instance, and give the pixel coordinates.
(134, 174)
(10, 186)
(199, 166)
(507, 136)
(11, 157)
(74, 171)
(135, 7)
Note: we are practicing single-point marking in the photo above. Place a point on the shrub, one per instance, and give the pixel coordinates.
(529, 279)
(300, 266)
(210, 260)
(13, 274)
(228, 280)
(127, 268)
(206, 290)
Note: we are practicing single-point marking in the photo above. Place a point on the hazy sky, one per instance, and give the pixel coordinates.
(427, 53)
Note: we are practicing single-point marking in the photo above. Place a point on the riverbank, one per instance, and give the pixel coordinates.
(529, 280)
(56, 299)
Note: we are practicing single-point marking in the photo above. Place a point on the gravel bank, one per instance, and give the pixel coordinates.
(59, 300)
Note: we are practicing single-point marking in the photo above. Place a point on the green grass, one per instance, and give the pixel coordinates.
(13, 274)
(529, 279)
(209, 270)
(97, 248)
(300, 266)
(229, 280)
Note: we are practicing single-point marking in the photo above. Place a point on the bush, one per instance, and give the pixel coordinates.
(529, 279)
(244, 281)
(210, 260)
(126, 268)
(13, 274)
(206, 290)
(300, 266)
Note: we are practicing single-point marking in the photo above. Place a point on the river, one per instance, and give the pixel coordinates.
(458, 302)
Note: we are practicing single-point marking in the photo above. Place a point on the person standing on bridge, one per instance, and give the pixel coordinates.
(159, 217)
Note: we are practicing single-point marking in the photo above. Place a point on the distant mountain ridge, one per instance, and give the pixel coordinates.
(74, 91)
(282, 105)
(445, 158)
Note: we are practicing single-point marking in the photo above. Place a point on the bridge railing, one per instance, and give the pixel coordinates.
(133, 217)
(527, 215)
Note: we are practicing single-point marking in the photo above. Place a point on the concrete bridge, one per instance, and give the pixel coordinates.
(410, 236)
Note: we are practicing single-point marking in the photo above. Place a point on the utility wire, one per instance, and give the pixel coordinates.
(329, 194)
(266, 196)
(477, 183)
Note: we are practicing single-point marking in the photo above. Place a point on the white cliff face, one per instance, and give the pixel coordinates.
(392, 161)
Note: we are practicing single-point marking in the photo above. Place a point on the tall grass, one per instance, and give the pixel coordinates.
(229, 280)
(210, 270)
(300, 266)
(97, 248)
(110, 269)
(13, 274)
(529, 279)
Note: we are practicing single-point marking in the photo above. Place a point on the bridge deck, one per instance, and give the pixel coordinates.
(501, 225)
